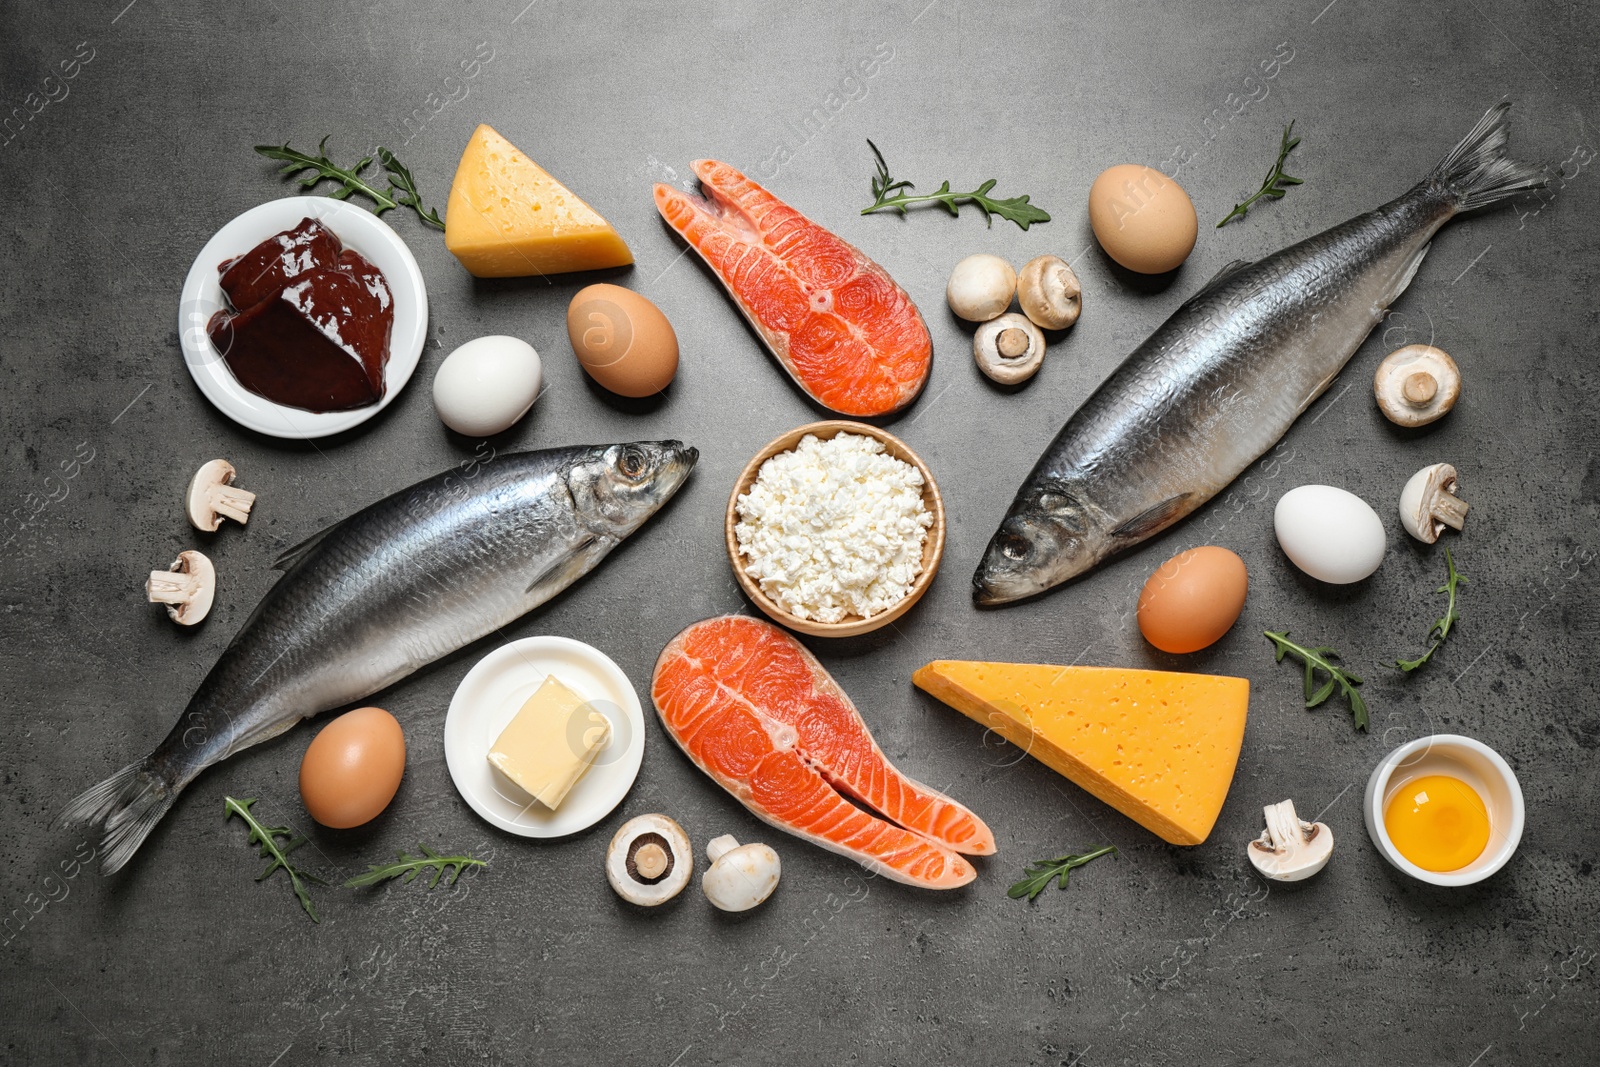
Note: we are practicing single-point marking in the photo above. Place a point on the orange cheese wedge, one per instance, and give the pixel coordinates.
(507, 217)
(1158, 746)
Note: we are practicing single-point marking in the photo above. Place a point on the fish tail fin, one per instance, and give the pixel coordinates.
(1477, 172)
(126, 806)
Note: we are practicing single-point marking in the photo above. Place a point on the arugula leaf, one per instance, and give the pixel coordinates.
(1321, 658)
(321, 167)
(410, 867)
(401, 182)
(1275, 179)
(1041, 873)
(1440, 630)
(267, 838)
(889, 193)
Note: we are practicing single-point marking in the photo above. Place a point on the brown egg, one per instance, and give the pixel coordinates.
(1192, 599)
(1142, 218)
(623, 341)
(352, 768)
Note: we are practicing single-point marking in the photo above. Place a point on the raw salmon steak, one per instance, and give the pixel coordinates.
(756, 711)
(845, 332)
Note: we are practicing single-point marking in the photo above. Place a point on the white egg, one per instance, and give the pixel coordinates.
(486, 385)
(1330, 534)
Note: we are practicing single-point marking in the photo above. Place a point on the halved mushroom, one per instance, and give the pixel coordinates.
(649, 860)
(1428, 503)
(741, 876)
(1008, 349)
(1049, 293)
(981, 287)
(212, 497)
(1290, 850)
(1416, 385)
(186, 588)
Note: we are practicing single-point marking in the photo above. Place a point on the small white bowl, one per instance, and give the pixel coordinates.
(202, 297)
(491, 695)
(1475, 763)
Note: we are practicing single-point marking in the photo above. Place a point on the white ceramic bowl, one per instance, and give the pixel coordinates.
(1475, 763)
(202, 297)
(492, 693)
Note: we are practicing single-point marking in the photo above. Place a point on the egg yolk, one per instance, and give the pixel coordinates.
(1437, 822)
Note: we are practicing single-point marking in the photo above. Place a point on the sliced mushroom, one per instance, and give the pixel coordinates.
(1290, 850)
(212, 497)
(1049, 293)
(1416, 385)
(1008, 349)
(981, 287)
(186, 588)
(741, 876)
(649, 860)
(1428, 503)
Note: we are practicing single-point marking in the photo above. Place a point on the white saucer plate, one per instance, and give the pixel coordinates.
(490, 696)
(202, 297)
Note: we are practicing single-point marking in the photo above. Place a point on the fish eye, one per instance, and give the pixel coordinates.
(1014, 548)
(632, 462)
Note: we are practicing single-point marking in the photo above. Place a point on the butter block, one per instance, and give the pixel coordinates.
(507, 217)
(550, 742)
(1159, 746)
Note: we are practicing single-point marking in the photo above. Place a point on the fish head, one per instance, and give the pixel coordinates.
(620, 486)
(1047, 537)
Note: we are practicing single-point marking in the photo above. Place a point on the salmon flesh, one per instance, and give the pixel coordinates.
(756, 711)
(1223, 379)
(845, 332)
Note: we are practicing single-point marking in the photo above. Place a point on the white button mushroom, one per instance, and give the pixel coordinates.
(1049, 293)
(1008, 349)
(740, 876)
(1428, 503)
(1290, 850)
(649, 860)
(212, 497)
(981, 287)
(1416, 385)
(186, 588)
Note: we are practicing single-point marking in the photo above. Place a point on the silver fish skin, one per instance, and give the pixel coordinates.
(395, 586)
(1223, 379)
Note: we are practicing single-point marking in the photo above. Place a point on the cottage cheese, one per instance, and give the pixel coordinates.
(834, 528)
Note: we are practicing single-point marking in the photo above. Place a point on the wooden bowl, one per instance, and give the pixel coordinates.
(851, 625)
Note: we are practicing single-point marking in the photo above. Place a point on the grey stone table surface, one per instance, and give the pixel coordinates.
(127, 130)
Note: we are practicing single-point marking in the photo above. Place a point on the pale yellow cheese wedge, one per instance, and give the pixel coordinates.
(507, 217)
(550, 742)
(1158, 746)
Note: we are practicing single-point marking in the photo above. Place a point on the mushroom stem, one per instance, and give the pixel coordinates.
(1449, 509)
(651, 860)
(233, 503)
(171, 587)
(1283, 825)
(719, 847)
(1420, 388)
(1012, 343)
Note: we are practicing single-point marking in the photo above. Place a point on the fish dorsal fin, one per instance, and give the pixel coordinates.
(290, 557)
(1151, 520)
(1228, 270)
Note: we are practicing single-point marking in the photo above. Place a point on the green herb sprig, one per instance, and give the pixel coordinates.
(1320, 658)
(350, 179)
(267, 838)
(1441, 627)
(1276, 179)
(888, 193)
(411, 866)
(1041, 873)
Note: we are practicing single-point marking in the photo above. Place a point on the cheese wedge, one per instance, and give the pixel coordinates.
(507, 217)
(1158, 746)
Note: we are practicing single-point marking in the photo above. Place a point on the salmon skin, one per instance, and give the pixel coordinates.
(756, 711)
(845, 332)
(1223, 379)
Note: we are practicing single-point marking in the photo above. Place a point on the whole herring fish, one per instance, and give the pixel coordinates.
(1223, 379)
(395, 586)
